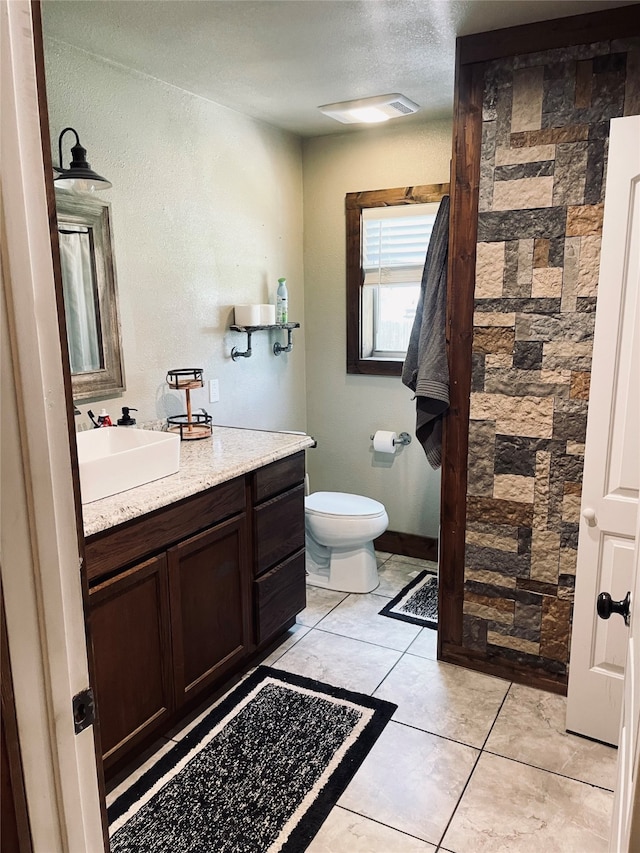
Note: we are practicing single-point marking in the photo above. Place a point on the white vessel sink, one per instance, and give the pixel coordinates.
(114, 459)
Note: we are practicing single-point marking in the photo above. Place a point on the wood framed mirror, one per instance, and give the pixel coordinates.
(90, 296)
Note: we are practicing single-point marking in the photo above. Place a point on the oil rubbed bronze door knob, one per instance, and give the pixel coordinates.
(606, 606)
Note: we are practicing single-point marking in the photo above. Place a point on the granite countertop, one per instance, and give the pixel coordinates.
(229, 453)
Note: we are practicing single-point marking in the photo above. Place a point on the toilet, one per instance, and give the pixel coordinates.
(340, 529)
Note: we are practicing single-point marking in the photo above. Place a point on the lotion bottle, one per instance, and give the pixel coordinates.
(282, 302)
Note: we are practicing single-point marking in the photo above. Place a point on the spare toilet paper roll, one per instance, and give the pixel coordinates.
(383, 441)
(268, 315)
(247, 315)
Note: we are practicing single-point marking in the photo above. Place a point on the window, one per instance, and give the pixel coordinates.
(394, 246)
(387, 237)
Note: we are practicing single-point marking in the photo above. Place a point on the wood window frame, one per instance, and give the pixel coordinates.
(355, 203)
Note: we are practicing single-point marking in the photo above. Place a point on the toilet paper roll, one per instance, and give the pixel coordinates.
(267, 315)
(247, 315)
(383, 441)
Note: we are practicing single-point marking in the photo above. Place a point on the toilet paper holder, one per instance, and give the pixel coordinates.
(403, 438)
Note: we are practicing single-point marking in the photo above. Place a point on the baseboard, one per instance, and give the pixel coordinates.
(503, 668)
(408, 545)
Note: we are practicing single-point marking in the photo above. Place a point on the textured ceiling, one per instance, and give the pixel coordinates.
(278, 60)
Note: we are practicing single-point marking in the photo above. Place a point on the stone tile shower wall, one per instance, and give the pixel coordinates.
(544, 151)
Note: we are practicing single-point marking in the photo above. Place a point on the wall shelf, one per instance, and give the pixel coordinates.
(277, 347)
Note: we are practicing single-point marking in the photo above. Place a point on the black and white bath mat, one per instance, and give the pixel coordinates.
(417, 602)
(258, 774)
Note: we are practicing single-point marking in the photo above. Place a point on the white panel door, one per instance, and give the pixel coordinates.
(612, 458)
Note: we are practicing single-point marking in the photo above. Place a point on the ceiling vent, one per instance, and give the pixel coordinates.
(371, 110)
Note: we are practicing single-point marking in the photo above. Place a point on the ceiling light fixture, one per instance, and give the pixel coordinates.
(370, 110)
(79, 177)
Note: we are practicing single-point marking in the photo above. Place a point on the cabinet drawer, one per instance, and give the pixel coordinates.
(277, 477)
(279, 595)
(106, 552)
(279, 528)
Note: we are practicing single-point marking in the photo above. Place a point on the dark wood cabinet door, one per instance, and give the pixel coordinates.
(208, 575)
(132, 647)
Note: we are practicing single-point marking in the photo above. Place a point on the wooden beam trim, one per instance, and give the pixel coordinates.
(621, 22)
(459, 336)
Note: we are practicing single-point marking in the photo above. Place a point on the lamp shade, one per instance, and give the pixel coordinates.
(79, 177)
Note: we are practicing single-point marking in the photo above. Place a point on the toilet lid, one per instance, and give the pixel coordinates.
(342, 503)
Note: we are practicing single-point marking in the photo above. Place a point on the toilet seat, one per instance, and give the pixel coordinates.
(341, 505)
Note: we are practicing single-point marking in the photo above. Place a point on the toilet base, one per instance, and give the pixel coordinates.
(349, 570)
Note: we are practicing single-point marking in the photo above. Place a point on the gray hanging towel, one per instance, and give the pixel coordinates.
(425, 370)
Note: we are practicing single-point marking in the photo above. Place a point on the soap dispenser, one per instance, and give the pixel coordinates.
(126, 420)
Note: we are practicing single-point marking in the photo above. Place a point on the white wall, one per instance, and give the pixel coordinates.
(344, 410)
(207, 213)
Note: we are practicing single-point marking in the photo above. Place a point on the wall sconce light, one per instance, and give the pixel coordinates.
(371, 110)
(79, 177)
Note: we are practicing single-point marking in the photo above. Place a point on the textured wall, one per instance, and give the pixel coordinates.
(207, 213)
(207, 209)
(544, 150)
(344, 410)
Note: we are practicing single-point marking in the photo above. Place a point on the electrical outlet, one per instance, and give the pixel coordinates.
(214, 391)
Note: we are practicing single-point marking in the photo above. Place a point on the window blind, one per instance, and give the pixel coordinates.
(395, 238)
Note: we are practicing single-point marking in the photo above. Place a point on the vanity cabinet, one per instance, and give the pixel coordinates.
(182, 597)
(278, 560)
(166, 629)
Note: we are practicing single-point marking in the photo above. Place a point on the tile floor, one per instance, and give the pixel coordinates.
(468, 764)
